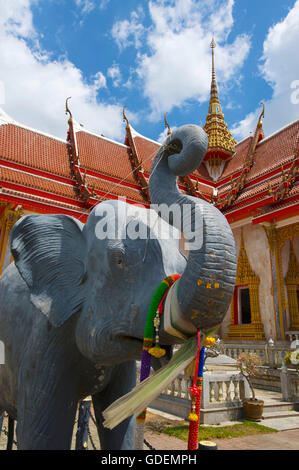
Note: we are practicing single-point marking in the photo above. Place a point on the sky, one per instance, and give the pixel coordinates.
(153, 57)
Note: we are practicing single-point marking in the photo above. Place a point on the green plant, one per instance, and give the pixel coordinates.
(248, 364)
(245, 428)
(291, 358)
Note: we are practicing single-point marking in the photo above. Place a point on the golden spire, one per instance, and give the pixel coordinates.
(214, 91)
(221, 142)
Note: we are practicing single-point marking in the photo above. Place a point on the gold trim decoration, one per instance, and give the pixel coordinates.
(292, 282)
(7, 221)
(247, 277)
(276, 240)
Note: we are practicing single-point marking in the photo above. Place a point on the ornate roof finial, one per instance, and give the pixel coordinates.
(167, 125)
(67, 109)
(262, 115)
(212, 46)
(125, 119)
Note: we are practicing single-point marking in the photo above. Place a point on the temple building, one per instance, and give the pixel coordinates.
(253, 182)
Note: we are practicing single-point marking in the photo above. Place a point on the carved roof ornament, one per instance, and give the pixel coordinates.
(238, 184)
(136, 164)
(262, 115)
(125, 119)
(67, 109)
(221, 142)
(167, 125)
(288, 178)
(81, 189)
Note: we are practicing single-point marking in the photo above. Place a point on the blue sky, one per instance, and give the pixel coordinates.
(150, 56)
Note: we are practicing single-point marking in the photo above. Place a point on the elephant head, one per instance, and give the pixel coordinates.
(103, 274)
(205, 289)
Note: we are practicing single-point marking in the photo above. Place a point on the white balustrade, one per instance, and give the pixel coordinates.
(270, 355)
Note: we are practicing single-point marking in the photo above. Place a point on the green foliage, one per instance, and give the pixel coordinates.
(287, 358)
(292, 358)
(245, 428)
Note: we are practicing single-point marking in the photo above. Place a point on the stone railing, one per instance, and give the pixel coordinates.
(271, 356)
(221, 400)
(223, 389)
(290, 384)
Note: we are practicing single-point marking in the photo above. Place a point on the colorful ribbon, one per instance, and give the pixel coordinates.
(196, 391)
(148, 349)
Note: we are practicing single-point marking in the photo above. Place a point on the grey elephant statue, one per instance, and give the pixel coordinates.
(74, 302)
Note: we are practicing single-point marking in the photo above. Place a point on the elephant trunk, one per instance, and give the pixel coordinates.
(205, 289)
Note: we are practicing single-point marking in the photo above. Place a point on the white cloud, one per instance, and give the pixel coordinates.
(36, 87)
(16, 17)
(86, 6)
(280, 68)
(129, 32)
(164, 134)
(115, 74)
(103, 4)
(178, 65)
(99, 81)
(246, 126)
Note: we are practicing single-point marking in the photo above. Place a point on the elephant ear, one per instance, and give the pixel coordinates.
(50, 253)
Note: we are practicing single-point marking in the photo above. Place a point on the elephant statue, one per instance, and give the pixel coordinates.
(74, 302)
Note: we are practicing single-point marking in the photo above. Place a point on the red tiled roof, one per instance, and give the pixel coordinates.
(271, 153)
(109, 188)
(275, 151)
(32, 181)
(146, 151)
(103, 155)
(237, 160)
(25, 146)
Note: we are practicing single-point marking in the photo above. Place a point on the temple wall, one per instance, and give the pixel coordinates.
(257, 249)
